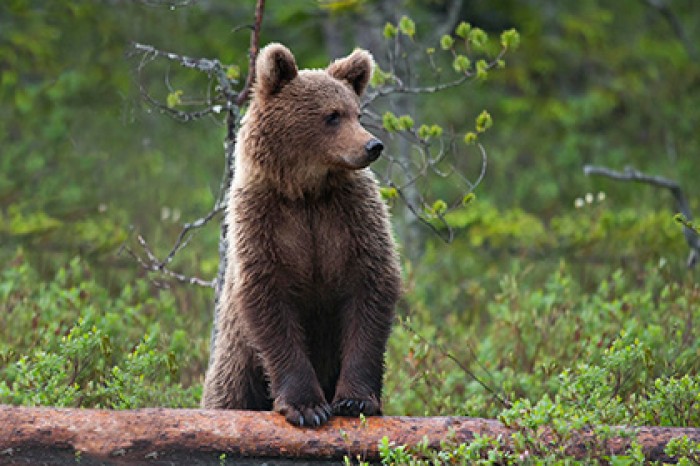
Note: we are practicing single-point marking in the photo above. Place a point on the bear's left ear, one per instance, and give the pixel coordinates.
(356, 69)
(274, 68)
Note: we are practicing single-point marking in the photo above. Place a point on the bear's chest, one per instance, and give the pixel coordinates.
(315, 247)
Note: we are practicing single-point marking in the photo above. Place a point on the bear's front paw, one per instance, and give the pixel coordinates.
(310, 414)
(353, 407)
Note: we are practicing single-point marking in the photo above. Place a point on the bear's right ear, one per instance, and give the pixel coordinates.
(274, 68)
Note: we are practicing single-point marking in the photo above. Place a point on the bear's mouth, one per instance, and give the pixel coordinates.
(354, 163)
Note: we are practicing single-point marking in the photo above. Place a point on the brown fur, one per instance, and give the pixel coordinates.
(312, 275)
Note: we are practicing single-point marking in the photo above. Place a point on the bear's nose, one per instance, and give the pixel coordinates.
(374, 149)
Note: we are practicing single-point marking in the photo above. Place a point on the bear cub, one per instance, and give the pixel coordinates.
(312, 272)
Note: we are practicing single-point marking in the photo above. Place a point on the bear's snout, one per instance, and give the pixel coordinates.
(374, 149)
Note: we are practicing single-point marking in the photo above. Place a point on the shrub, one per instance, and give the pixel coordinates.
(69, 343)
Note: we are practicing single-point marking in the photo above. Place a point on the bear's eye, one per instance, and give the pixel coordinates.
(333, 119)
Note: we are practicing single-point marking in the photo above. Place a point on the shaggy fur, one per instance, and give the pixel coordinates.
(313, 276)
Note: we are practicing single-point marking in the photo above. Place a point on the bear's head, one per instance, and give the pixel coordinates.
(304, 124)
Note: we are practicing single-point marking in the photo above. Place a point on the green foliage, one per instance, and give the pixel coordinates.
(67, 342)
(687, 451)
(426, 132)
(636, 380)
(510, 39)
(446, 42)
(407, 26)
(478, 38)
(461, 64)
(389, 31)
(462, 30)
(686, 223)
(570, 345)
(393, 123)
(174, 99)
(483, 121)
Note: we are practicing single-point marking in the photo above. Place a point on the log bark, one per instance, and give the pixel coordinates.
(192, 436)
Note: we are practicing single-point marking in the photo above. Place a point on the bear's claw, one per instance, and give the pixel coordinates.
(306, 416)
(353, 407)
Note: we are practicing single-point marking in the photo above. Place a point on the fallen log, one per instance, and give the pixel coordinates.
(191, 436)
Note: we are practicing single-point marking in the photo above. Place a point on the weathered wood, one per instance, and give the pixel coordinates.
(190, 436)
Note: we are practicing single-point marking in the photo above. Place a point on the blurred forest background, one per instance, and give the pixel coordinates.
(555, 281)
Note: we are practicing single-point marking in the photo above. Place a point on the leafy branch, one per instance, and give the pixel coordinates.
(429, 151)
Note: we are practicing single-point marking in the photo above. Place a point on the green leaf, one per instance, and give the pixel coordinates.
(390, 122)
(468, 199)
(424, 132)
(389, 31)
(388, 193)
(407, 26)
(483, 121)
(439, 207)
(470, 138)
(233, 72)
(174, 99)
(406, 122)
(446, 42)
(380, 77)
(478, 38)
(463, 29)
(510, 39)
(482, 69)
(461, 64)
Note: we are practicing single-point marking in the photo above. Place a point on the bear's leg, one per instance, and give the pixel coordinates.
(366, 328)
(277, 335)
(235, 379)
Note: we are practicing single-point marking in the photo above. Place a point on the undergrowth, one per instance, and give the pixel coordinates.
(540, 344)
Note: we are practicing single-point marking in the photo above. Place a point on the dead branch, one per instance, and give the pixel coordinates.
(189, 436)
(674, 22)
(151, 264)
(232, 101)
(631, 174)
(253, 53)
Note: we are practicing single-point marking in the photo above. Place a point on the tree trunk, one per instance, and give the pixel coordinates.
(188, 436)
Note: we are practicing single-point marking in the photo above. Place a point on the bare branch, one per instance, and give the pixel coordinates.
(152, 264)
(631, 174)
(185, 236)
(177, 114)
(665, 10)
(206, 65)
(169, 3)
(253, 53)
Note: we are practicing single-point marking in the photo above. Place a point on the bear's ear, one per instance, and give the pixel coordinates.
(274, 68)
(356, 69)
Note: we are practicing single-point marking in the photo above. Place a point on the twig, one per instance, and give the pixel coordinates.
(152, 264)
(459, 364)
(253, 53)
(184, 238)
(403, 89)
(631, 174)
(207, 65)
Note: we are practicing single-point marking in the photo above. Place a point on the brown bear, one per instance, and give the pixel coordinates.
(312, 275)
